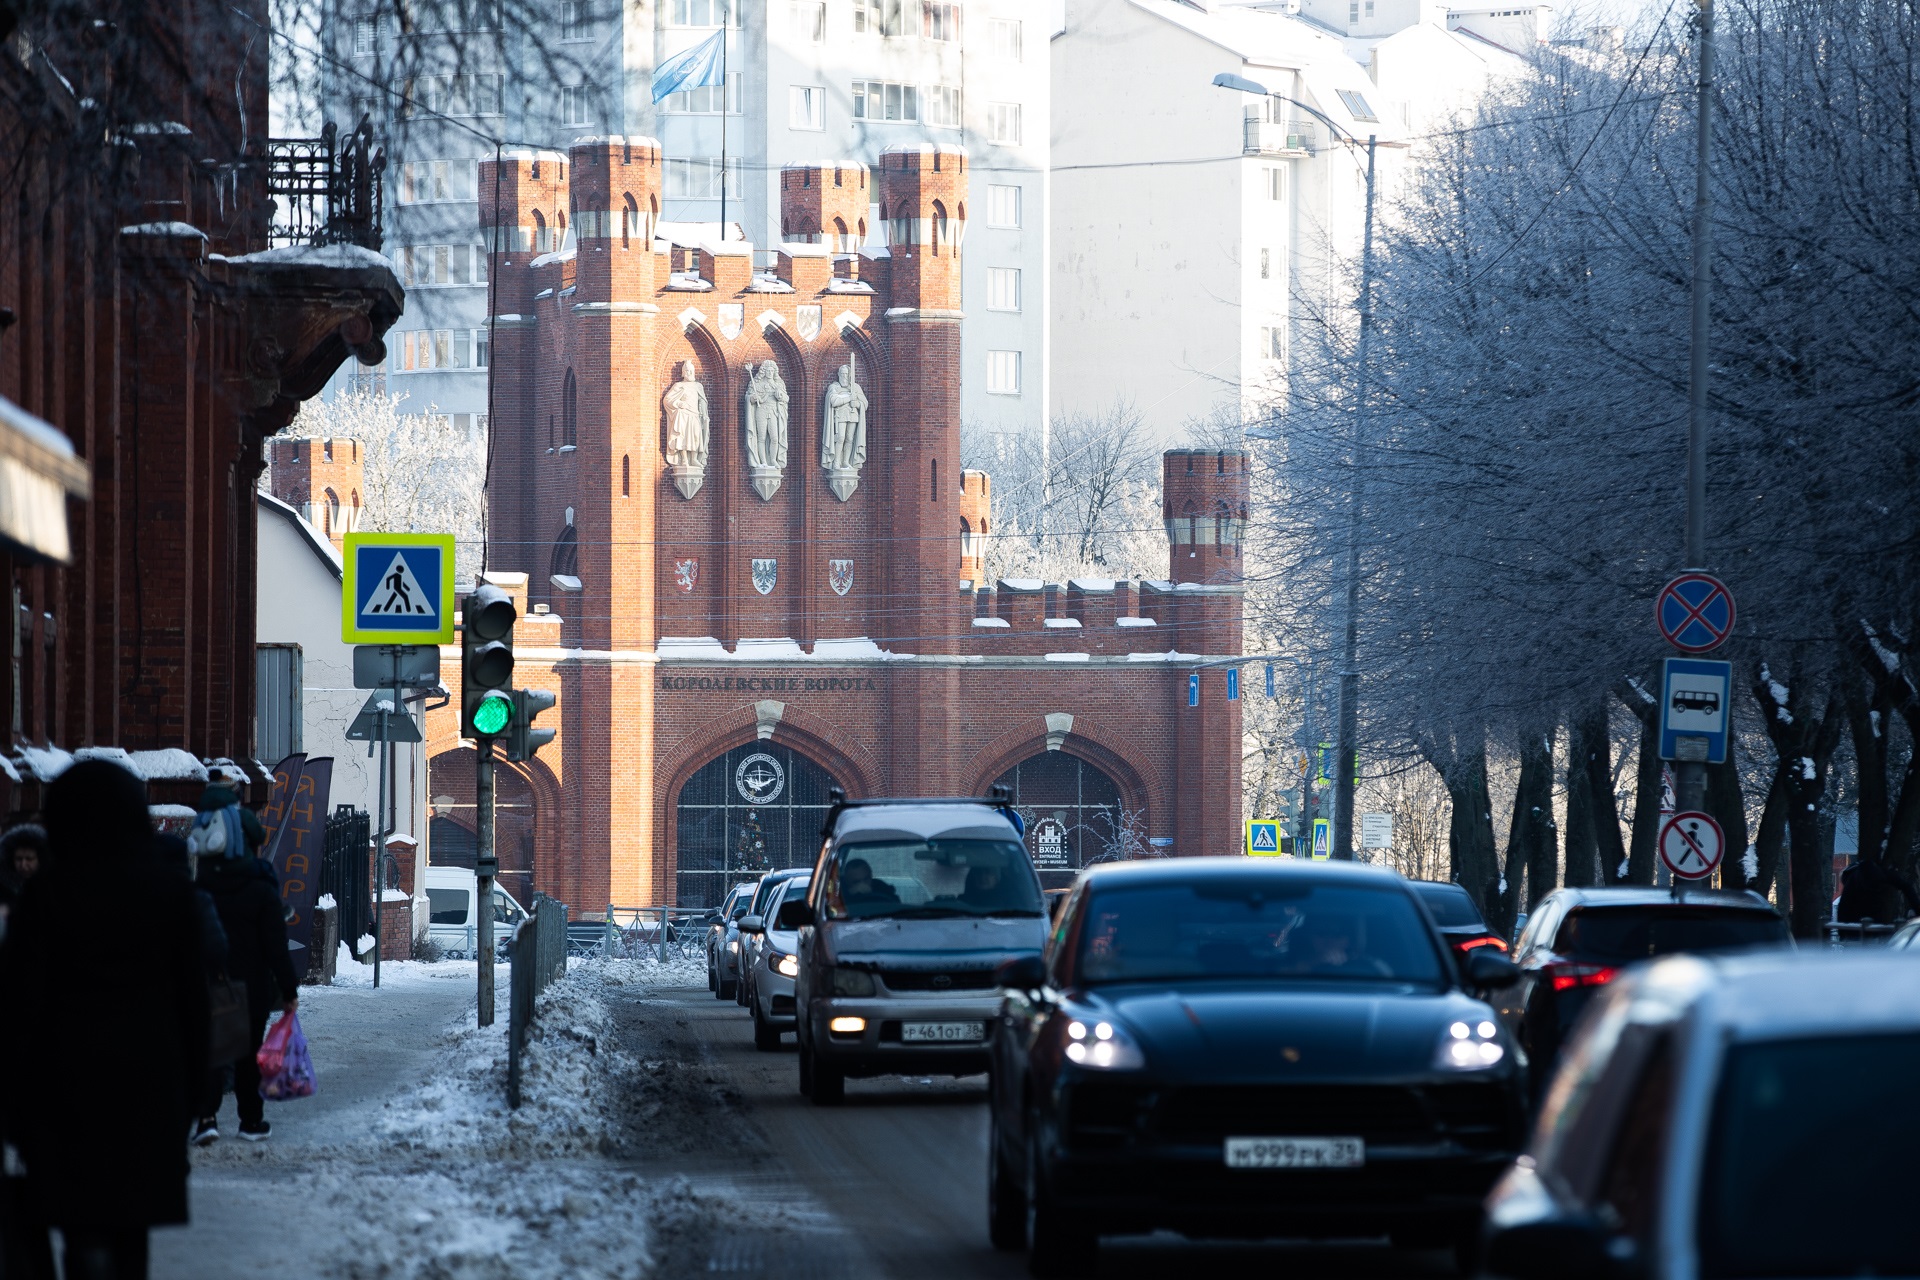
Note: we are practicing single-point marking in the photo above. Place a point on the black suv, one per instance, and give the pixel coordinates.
(1577, 940)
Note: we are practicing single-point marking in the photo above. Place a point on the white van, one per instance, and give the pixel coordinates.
(451, 921)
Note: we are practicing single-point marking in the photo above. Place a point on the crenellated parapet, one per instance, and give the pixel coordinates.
(923, 198)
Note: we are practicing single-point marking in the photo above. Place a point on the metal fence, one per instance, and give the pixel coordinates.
(1847, 933)
(344, 870)
(326, 190)
(538, 954)
(633, 933)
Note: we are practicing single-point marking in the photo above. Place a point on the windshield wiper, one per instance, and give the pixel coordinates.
(1004, 912)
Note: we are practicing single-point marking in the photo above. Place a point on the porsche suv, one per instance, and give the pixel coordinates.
(1234, 1047)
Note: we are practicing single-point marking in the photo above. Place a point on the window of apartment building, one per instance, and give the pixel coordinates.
(1266, 264)
(1003, 206)
(1003, 122)
(1003, 288)
(427, 181)
(576, 20)
(808, 21)
(424, 16)
(879, 17)
(885, 100)
(705, 100)
(1273, 343)
(1003, 373)
(576, 104)
(943, 106)
(1277, 183)
(939, 20)
(807, 107)
(366, 35)
(699, 177)
(461, 95)
(437, 264)
(704, 13)
(471, 425)
(1353, 12)
(422, 350)
(1356, 104)
(1003, 37)
(376, 108)
(1369, 8)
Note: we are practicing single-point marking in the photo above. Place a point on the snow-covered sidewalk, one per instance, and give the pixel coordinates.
(408, 1162)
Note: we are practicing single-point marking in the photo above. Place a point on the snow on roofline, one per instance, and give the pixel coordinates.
(828, 164)
(315, 540)
(926, 149)
(312, 255)
(615, 140)
(163, 229)
(524, 153)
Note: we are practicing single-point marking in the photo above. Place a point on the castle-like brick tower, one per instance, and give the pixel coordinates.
(732, 480)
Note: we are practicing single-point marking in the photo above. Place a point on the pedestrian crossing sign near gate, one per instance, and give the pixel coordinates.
(398, 589)
(1263, 839)
(1322, 839)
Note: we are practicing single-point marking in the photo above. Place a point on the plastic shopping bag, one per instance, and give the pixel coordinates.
(286, 1068)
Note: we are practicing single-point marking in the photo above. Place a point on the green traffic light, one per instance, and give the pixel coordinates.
(493, 714)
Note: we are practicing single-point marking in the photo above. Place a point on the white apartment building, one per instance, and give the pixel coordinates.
(1196, 228)
(809, 81)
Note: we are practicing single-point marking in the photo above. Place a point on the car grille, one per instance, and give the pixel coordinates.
(919, 980)
(1475, 1115)
(1103, 1115)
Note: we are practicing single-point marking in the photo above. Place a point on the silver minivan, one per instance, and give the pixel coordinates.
(912, 907)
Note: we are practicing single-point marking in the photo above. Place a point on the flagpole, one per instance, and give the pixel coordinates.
(726, 90)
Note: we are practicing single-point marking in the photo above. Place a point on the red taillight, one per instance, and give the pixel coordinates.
(1471, 943)
(1567, 977)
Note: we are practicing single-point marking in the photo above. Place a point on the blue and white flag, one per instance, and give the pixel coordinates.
(697, 67)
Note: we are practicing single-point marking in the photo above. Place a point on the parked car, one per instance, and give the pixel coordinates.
(1726, 1116)
(452, 922)
(913, 907)
(1906, 938)
(774, 964)
(723, 968)
(1579, 940)
(752, 927)
(1458, 916)
(1246, 1047)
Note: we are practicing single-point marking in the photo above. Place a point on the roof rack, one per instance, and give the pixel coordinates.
(1000, 798)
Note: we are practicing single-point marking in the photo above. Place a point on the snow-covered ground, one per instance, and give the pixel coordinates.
(431, 1174)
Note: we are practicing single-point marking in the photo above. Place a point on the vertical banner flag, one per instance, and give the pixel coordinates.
(274, 816)
(696, 68)
(1193, 689)
(296, 858)
(1269, 679)
(1233, 684)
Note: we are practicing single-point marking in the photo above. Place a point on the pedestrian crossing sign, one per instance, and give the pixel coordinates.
(1322, 839)
(397, 589)
(1263, 839)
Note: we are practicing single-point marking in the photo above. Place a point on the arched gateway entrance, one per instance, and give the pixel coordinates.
(757, 808)
(1073, 814)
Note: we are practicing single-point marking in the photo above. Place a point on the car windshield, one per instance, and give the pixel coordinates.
(1450, 905)
(1255, 928)
(931, 878)
(1620, 935)
(1809, 1166)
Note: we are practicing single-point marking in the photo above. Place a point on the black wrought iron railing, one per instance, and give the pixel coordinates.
(326, 190)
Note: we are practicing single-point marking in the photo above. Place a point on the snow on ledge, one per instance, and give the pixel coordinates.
(7, 770)
(850, 647)
(1065, 624)
(776, 647)
(44, 763)
(112, 755)
(169, 764)
(395, 895)
(1022, 584)
(991, 622)
(175, 811)
(1069, 657)
(1093, 584)
(691, 647)
(314, 255)
(1136, 622)
(326, 903)
(1171, 655)
(164, 229)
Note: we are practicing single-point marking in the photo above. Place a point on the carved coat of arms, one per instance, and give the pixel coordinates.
(686, 573)
(765, 574)
(840, 576)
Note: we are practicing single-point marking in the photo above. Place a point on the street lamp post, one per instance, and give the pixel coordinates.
(1347, 736)
(1689, 776)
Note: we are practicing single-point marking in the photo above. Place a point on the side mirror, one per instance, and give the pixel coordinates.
(753, 924)
(1028, 973)
(794, 915)
(1488, 972)
(1562, 1248)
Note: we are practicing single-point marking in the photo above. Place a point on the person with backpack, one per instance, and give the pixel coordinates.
(246, 894)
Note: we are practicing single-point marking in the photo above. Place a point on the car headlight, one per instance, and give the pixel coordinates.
(1470, 1046)
(787, 966)
(851, 982)
(734, 946)
(1102, 1046)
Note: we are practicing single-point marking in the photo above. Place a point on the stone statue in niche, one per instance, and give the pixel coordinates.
(843, 434)
(766, 428)
(689, 428)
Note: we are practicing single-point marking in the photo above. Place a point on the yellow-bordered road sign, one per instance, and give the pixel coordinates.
(398, 589)
(1263, 839)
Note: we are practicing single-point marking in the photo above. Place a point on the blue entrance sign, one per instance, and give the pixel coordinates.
(1695, 612)
(1233, 684)
(1263, 839)
(1193, 689)
(1696, 696)
(397, 589)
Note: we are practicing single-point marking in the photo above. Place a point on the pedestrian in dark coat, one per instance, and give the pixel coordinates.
(106, 1044)
(246, 893)
(173, 855)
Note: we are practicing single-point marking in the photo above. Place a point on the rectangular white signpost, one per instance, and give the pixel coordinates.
(1376, 831)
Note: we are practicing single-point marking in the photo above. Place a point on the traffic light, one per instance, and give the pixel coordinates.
(523, 739)
(486, 663)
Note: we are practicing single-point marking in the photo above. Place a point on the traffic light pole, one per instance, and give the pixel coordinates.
(1690, 776)
(484, 869)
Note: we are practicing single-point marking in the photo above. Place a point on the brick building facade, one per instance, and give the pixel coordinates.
(735, 623)
(147, 321)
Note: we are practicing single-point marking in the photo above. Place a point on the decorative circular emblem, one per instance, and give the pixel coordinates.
(941, 982)
(759, 778)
